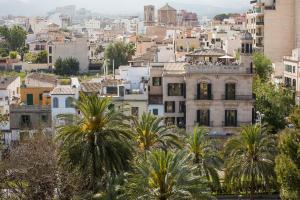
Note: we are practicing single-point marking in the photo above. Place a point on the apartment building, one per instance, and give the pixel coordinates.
(212, 91)
(9, 93)
(291, 75)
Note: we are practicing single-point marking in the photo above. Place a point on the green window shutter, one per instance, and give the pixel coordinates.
(29, 99)
(209, 91)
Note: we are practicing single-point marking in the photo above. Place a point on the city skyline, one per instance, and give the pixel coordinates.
(21, 7)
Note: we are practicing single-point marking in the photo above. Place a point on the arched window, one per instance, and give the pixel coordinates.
(55, 102)
(69, 102)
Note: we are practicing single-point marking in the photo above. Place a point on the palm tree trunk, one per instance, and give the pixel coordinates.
(94, 168)
(252, 187)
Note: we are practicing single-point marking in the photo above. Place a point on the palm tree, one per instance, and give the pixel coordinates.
(249, 159)
(164, 175)
(149, 132)
(205, 157)
(96, 142)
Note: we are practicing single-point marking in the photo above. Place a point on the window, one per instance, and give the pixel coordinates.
(204, 91)
(289, 68)
(155, 111)
(182, 106)
(55, 102)
(69, 103)
(231, 118)
(25, 121)
(112, 90)
(180, 122)
(29, 99)
(175, 89)
(156, 81)
(135, 111)
(170, 106)
(50, 50)
(41, 97)
(203, 117)
(169, 121)
(44, 118)
(50, 59)
(230, 91)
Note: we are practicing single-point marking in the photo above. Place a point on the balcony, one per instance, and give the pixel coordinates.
(260, 23)
(211, 124)
(238, 124)
(238, 98)
(198, 98)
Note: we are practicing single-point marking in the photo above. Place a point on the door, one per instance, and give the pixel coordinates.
(29, 99)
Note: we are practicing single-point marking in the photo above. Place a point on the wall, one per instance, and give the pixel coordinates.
(77, 49)
(279, 30)
(36, 91)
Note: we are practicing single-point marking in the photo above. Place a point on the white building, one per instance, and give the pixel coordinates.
(9, 92)
(92, 24)
(62, 102)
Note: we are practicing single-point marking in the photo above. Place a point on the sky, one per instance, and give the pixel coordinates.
(110, 6)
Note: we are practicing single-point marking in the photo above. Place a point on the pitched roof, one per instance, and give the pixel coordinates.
(63, 90)
(6, 81)
(42, 78)
(167, 7)
(91, 87)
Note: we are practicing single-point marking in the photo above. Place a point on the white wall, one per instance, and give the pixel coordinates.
(160, 109)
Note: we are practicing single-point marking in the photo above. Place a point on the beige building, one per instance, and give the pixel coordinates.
(167, 16)
(218, 96)
(149, 15)
(275, 27)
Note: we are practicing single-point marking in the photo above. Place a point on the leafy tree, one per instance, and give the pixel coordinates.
(164, 176)
(119, 53)
(263, 66)
(13, 55)
(42, 57)
(67, 66)
(274, 102)
(205, 157)
(15, 37)
(96, 142)
(250, 160)
(294, 117)
(150, 132)
(288, 164)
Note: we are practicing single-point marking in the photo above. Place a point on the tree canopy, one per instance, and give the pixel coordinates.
(119, 53)
(14, 37)
(263, 66)
(67, 66)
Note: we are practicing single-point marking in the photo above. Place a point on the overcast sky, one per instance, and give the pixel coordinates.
(113, 6)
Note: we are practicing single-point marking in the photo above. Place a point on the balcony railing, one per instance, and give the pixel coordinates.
(211, 124)
(197, 97)
(238, 97)
(238, 124)
(260, 23)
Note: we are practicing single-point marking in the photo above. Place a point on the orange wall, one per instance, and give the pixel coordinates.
(36, 91)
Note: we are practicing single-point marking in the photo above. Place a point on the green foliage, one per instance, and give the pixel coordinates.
(263, 66)
(149, 132)
(13, 55)
(223, 16)
(119, 52)
(274, 102)
(294, 117)
(288, 164)
(96, 142)
(164, 175)
(206, 157)
(42, 57)
(15, 37)
(30, 57)
(249, 161)
(67, 66)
